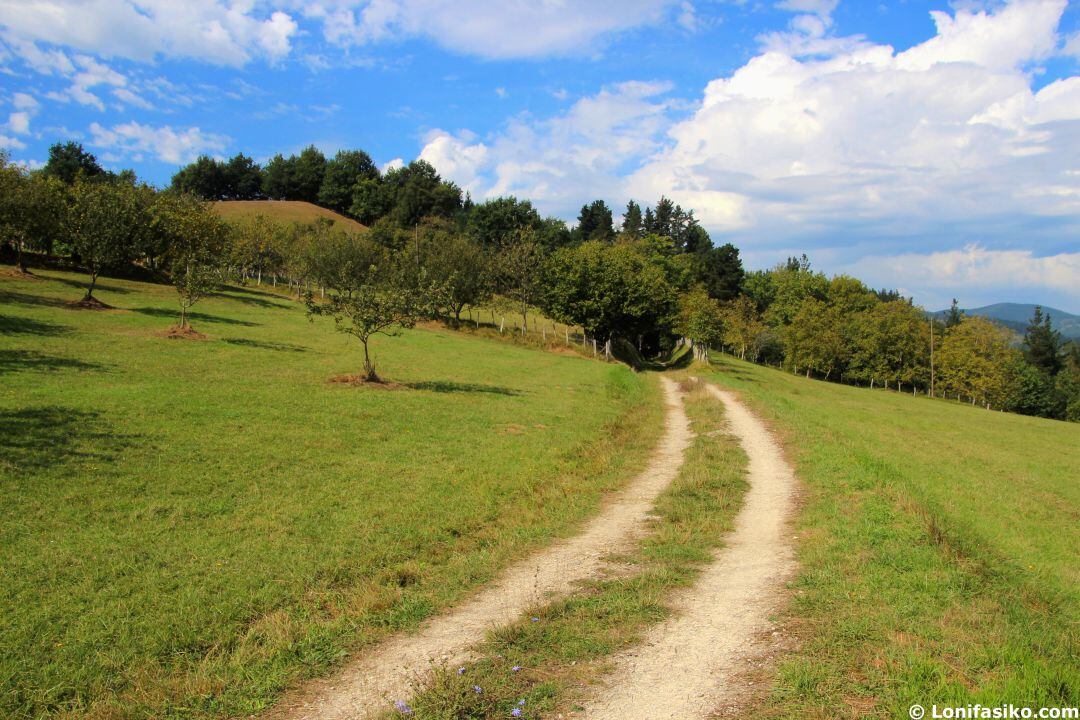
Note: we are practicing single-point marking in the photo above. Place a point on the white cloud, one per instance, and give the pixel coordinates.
(560, 162)
(969, 271)
(24, 101)
(870, 141)
(176, 146)
(19, 123)
(487, 28)
(216, 31)
(395, 164)
(10, 143)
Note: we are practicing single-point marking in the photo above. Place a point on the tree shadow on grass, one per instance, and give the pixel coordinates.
(17, 298)
(10, 325)
(263, 345)
(249, 298)
(449, 386)
(82, 285)
(35, 439)
(194, 317)
(23, 360)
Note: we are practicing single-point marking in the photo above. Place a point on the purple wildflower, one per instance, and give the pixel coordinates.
(521, 702)
(402, 707)
(461, 671)
(516, 668)
(516, 712)
(477, 689)
(535, 619)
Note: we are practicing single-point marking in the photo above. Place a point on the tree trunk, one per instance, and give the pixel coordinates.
(21, 261)
(90, 290)
(369, 367)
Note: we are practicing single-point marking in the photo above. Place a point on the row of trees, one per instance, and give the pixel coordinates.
(106, 221)
(653, 282)
(839, 329)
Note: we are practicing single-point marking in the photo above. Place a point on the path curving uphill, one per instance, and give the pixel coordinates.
(372, 682)
(686, 666)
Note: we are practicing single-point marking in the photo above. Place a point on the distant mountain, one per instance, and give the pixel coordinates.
(1015, 316)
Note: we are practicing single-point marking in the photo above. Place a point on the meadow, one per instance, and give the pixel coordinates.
(190, 526)
(283, 211)
(938, 545)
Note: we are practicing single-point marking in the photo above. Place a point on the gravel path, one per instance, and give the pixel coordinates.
(688, 666)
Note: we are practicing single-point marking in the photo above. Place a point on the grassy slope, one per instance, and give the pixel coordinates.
(188, 526)
(939, 550)
(283, 210)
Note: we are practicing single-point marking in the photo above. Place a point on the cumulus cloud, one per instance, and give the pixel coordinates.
(138, 141)
(560, 161)
(868, 140)
(216, 31)
(832, 144)
(487, 28)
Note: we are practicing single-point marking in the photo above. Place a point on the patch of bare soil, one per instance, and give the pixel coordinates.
(90, 304)
(18, 274)
(363, 381)
(372, 682)
(183, 333)
(700, 662)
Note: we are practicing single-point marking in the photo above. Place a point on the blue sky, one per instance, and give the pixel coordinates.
(930, 146)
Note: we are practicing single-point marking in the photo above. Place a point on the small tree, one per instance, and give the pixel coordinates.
(700, 319)
(367, 295)
(519, 267)
(31, 210)
(197, 240)
(107, 222)
(742, 325)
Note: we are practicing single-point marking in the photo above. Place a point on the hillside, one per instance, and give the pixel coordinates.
(1015, 316)
(285, 211)
(938, 545)
(191, 525)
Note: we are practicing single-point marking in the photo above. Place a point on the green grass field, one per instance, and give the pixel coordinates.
(190, 526)
(288, 211)
(938, 545)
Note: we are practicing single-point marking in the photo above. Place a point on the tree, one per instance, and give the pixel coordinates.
(372, 199)
(278, 178)
(31, 210)
(107, 223)
(367, 295)
(594, 222)
(308, 171)
(891, 344)
(451, 260)
(742, 326)
(700, 319)
(418, 192)
(622, 289)
(954, 316)
(196, 242)
(205, 178)
(720, 270)
(632, 221)
(1042, 344)
(496, 223)
(243, 178)
(518, 267)
(791, 287)
(342, 174)
(69, 162)
(974, 361)
(816, 339)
